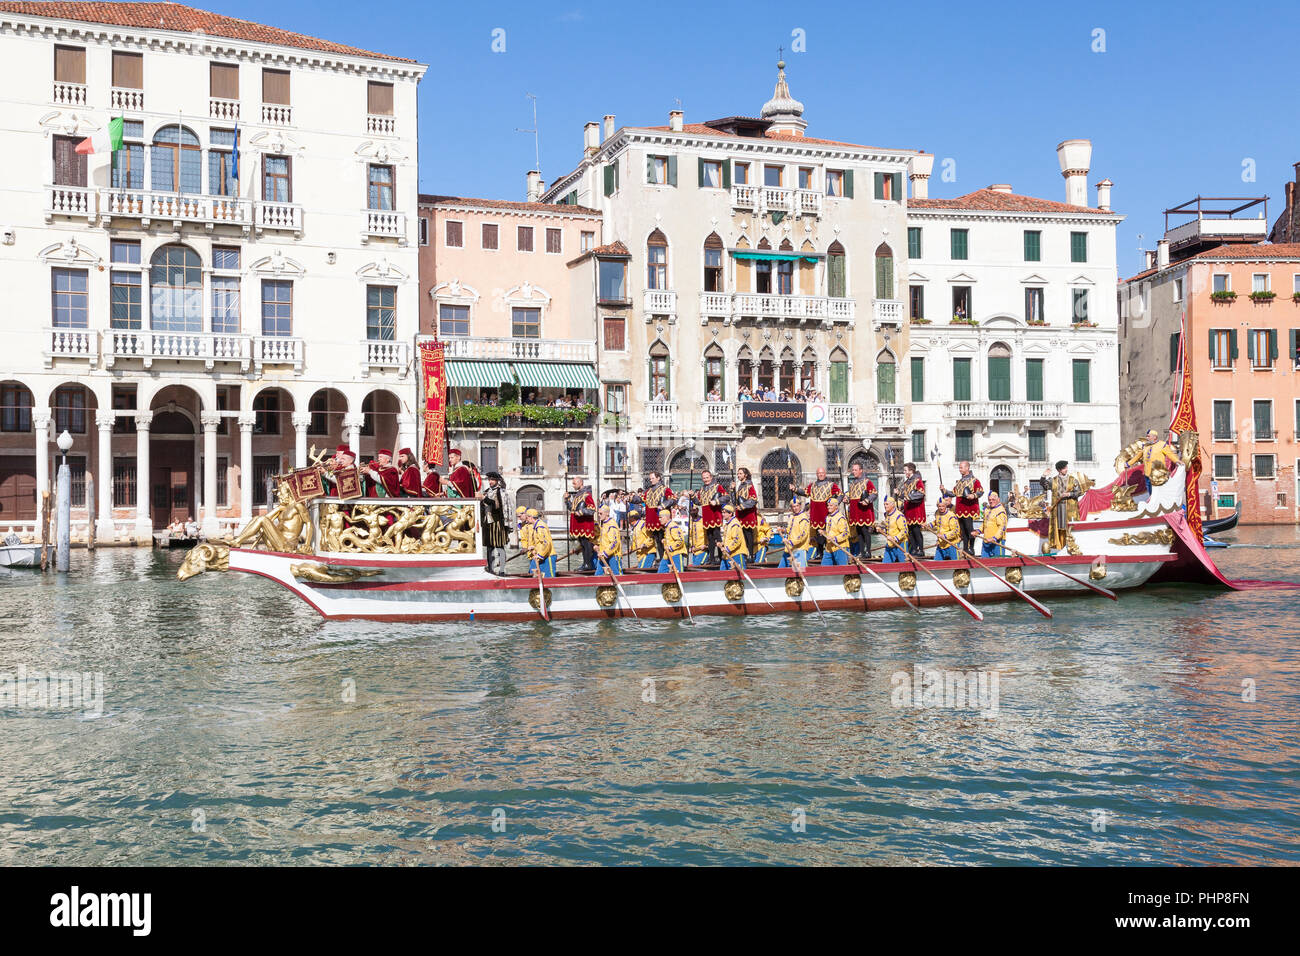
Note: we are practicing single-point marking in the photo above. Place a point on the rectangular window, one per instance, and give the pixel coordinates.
(225, 305)
(277, 185)
(657, 170)
(275, 87)
(918, 379)
(70, 64)
(742, 174)
(1033, 380)
(965, 445)
(586, 241)
(124, 482)
(381, 313)
(1259, 282)
(526, 323)
(1082, 380)
(528, 458)
(573, 455)
(1037, 445)
(1265, 466)
(615, 457)
(554, 238)
(1222, 421)
(223, 81)
(128, 70)
(69, 165)
(379, 98)
(265, 467)
(1224, 466)
(488, 456)
(1079, 306)
(1262, 348)
(959, 241)
(835, 182)
(773, 175)
(961, 379)
(1078, 247)
(266, 412)
(961, 302)
(380, 189)
(913, 242)
(277, 307)
(1083, 446)
(613, 280)
(71, 303)
(1034, 304)
(805, 177)
(916, 301)
(453, 319)
(616, 398)
(128, 162)
(918, 446)
(70, 410)
(454, 234)
(611, 178)
(1033, 245)
(491, 235)
(1223, 347)
(615, 338)
(524, 239)
(15, 408)
(1221, 282)
(888, 185)
(221, 167)
(1178, 290)
(710, 173)
(424, 230)
(1263, 418)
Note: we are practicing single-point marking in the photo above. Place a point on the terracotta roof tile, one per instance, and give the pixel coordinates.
(615, 248)
(1240, 251)
(700, 129)
(426, 200)
(991, 200)
(182, 19)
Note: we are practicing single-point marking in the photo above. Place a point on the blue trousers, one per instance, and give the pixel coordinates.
(945, 554)
(548, 567)
(993, 549)
(760, 555)
(727, 563)
(894, 555)
(648, 563)
(834, 557)
(614, 565)
(698, 558)
(664, 563)
(785, 558)
(532, 565)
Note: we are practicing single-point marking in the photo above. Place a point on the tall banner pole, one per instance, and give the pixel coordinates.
(433, 381)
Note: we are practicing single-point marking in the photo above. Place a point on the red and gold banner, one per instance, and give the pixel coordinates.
(348, 483)
(433, 381)
(1184, 422)
(306, 483)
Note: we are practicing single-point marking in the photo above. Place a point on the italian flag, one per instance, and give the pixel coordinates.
(105, 141)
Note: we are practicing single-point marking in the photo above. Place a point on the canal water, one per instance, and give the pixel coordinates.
(236, 726)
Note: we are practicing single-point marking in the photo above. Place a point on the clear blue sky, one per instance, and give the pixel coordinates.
(1182, 95)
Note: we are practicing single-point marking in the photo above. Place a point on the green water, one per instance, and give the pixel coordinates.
(228, 731)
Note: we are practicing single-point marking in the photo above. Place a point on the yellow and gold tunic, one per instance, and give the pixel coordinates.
(799, 532)
(762, 533)
(642, 544)
(525, 536)
(947, 529)
(541, 541)
(675, 541)
(608, 543)
(995, 525)
(837, 532)
(699, 544)
(895, 529)
(1157, 454)
(733, 538)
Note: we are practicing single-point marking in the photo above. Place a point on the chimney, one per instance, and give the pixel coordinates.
(1162, 253)
(609, 125)
(1001, 187)
(590, 139)
(535, 188)
(1103, 194)
(919, 168)
(675, 121)
(1075, 156)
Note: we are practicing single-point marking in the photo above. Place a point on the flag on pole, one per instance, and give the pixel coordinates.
(433, 377)
(234, 160)
(104, 141)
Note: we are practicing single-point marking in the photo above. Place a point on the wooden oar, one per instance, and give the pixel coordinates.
(794, 565)
(681, 587)
(541, 595)
(614, 578)
(997, 577)
(970, 608)
(745, 575)
(1086, 583)
(885, 583)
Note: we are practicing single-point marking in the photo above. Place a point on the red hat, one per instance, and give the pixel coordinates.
(455, 451)
(344, 450)
(385, 452)
(407, 452)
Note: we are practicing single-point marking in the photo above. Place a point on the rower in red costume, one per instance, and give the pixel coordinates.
(655, 497)
(410, 473)
(460, 480)
(746, 504)
(432, 482)
(912, 492)
(382, 478)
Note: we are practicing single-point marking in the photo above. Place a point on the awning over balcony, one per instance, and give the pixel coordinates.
(478, 374)
(773, 256)
(556, 375)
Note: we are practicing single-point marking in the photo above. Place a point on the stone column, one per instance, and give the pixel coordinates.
(301, 421)
(143, 520)
(104, 530)
(41, 427)
(352, 432)
(246, 422)
(208, 525)
(406, 433)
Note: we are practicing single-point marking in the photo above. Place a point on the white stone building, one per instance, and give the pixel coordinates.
(193, 330)
(1013, 351)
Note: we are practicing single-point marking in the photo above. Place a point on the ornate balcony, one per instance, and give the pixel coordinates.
(378, 124)
(383, 224)
(130, 101)
(660, 302)
(844, 416)
(1006, 411)
(71, 344)
(70, 201)
(719, 414)
(150, 346)
(277, 114)
(68, 94)
(799, 307)
(538, 350)
(765, 199)
(661, 414)
(286, 216)
(715, 305)
(276, 350)
(887, 312)
(178, 208)
(889, 416)
(382, 354)
(223, 109)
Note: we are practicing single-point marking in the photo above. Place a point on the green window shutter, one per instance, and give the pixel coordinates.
(999, 378)
(885, 392)
(835, 283)
(672, 170)
(884, 277)
(1082, 381)
(848, 184)
(918, 446)
(839, 383)
(880, 185)
(1232, 344)
(1272, 344)
(1173, 351)
(960, 246)
(650, 379)
(1295, 343)
(668, 378)
(609, 179)
(913, 242)
(1078, 247)
(649, 169)
(726, 174)
(701, 162)
(918, 379)
(1033, 380)
(961, 380)
(964, 445)
(898, 186)
(1033, 245)
(1038, 446)
(1250, 346)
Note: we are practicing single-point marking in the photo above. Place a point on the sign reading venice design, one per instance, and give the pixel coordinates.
(433, 376)
(784, 413)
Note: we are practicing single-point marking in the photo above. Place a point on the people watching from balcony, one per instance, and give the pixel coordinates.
(769, 394)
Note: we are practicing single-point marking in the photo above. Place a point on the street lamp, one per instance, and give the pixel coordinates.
(63, 540)
(65, 444)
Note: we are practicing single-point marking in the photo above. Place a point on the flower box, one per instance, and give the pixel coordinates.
(1222, 296)
(1263, 296)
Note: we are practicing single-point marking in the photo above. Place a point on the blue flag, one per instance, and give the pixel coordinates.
(234, 160)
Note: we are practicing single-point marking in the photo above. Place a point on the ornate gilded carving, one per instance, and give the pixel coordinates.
(325, 574)
(1098, 572)
(1122, 499)
(606, 595)
(1022, 506)
(907, 580)
(535, 601)
(852, 583)
(793, 587)
(207, 556)
(398, 529)
(1015, 575)
(286, 527)
(671, 593)
(734, 590)
(1070, 546)
(1163, 536)
(1189, 445)
(961, 577)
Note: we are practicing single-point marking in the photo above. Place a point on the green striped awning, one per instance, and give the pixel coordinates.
(556, 375)
(478, 374)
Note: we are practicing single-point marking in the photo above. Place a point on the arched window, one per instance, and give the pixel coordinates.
(839, 377)
(766, 368)
(530, 496)
(177, 161)
(870, 467)
(684, 470)
(886, 392)
(656, 248)
(660, 373)
(744, 368)
(1000, 480)
(787, 371)
(836, 271)
(884, 272)
(713, 275)
(808, 370)
(713, 377)
(778, 476)
(763, 270)
(176, 290)
(999, 372)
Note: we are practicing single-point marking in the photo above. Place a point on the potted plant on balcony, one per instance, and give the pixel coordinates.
(918, 320)
(1085, 324)
(1263, 296)
(1295, 297)
(1222, 296)
(960, 319)
(1035, 322)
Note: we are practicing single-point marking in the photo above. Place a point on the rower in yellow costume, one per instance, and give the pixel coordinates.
(762, 536)
(836, 534)
(894, 527)
(525, 531)
(699, 542)
(947, 529)
(608, 545)
(733, 540)
(643, 546)
(674, 543)
(543, 551)
(798, 536)
(994, 531)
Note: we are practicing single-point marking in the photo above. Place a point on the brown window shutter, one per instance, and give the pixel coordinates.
(275, 87)
(128, 70)
(69, 165)
(69, 64)
(224, 81)
(379, 99)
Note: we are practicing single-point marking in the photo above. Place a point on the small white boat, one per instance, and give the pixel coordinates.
(15, 554)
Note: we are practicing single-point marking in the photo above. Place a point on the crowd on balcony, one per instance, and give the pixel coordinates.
(489, 397)
(767, 393)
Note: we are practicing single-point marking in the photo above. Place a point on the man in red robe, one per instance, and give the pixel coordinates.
(655, 497)
(912, 493)
(343, 458)
(460, 481)
(746, 502)
(862, 510)
(712, 496)
(967, 492)
(581, 505)
(432, 482)
(819, 492)
(382, 477)
(410, 473)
